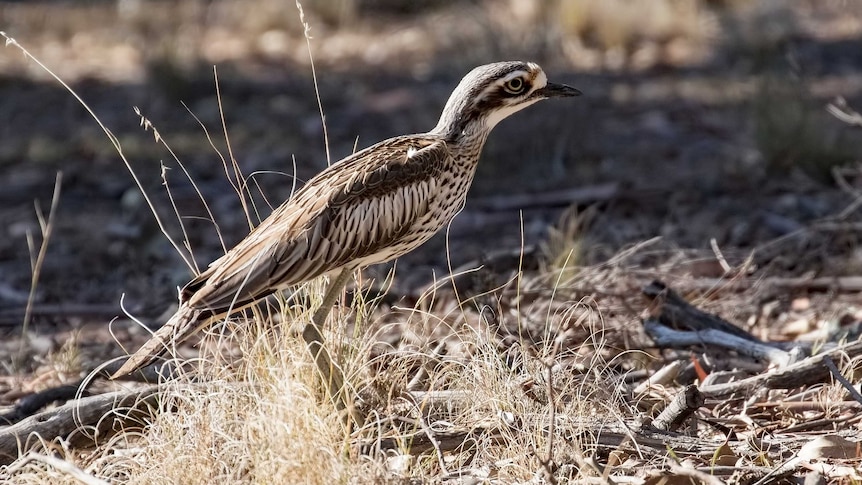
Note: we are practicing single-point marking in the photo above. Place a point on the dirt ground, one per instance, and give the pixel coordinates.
(703, 124)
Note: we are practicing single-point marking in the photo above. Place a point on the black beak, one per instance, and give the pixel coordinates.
(552, 90)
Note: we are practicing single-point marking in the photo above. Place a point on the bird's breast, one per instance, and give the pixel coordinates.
(452, 192)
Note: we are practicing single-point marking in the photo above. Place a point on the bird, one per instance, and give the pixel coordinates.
(370, 207)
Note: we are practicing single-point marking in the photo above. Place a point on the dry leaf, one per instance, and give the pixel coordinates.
(724, 456)
(828, 447)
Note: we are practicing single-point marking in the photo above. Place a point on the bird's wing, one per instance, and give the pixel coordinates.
(350, 211)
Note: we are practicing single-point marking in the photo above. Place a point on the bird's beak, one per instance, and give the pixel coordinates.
(553, 90)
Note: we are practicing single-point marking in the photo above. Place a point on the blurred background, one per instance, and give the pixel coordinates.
(701, 121)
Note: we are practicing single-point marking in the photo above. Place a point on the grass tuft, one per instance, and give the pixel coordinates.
(256, 418)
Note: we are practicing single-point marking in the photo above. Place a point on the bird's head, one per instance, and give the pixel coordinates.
(490, 93)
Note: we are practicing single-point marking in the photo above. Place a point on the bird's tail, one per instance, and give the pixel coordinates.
(177, 329)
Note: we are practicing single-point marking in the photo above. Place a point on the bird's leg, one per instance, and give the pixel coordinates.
(330, 372)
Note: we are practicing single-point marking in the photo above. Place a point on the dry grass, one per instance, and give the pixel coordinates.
(263, 418)
(260, 420)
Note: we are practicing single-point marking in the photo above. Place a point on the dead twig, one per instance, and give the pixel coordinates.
(37, 260)
(836, 373)
(683, 405)
(424, 370)
(441, 462)
(661, 377)
(841, 110)
(547, 462)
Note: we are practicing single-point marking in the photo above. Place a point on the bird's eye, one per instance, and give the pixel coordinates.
(515, 86)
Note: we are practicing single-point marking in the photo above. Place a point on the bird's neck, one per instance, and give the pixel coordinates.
(465, 146)
(468, 145)
(463, 134)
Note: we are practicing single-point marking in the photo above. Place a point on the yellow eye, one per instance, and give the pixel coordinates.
(515, 85)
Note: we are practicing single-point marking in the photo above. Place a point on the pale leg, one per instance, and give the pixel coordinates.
(330, 372)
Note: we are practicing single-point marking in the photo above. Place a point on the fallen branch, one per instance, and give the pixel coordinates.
(811, 370)
(667, 337)
(673, 311)
(646, 442)
(80, 423)
(33, 403)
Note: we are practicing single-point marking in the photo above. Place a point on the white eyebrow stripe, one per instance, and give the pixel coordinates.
(512, 75)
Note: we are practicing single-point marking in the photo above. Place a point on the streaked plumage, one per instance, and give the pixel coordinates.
(370, 207)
